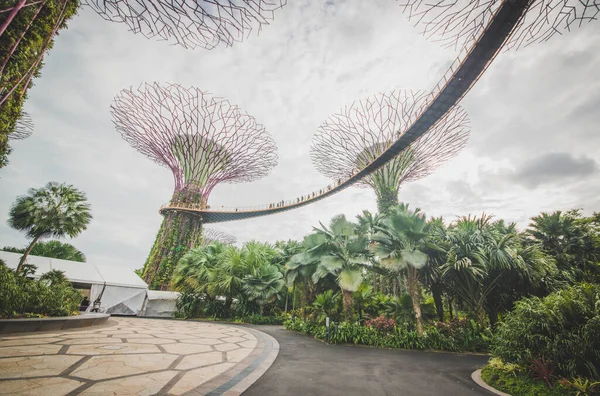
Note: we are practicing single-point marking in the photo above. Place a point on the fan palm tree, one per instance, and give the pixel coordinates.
(341, 252)
(56, 210)
(398, 243)
(263, 284)
(191, 273)
(58, 250)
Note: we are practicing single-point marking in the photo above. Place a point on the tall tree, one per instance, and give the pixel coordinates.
(340, 251)
(56, 210)
(572, 239)
(398, 243)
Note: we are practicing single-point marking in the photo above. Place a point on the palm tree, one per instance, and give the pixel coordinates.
(56, 210)
(58, 250)
(191, 273)
(263, 284)
(285, 251)
(436, 247)
(398, 243)
(341, 252)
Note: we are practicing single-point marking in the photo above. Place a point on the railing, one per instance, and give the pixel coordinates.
(512, 16)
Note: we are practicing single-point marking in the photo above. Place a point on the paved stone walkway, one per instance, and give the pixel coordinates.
(136, 357)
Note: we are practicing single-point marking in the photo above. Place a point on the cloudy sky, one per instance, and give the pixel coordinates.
(534, 115)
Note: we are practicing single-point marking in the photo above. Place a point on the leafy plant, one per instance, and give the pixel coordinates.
(542, 369)
(521, 384)
(582, 386)
(381, 323)
(52, 295)
(562, 327)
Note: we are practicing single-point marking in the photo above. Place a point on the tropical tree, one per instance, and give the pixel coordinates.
(436, 248)
(52, 249)
(326, 304)
(339, 251)
(399, 241)
(264, 284)
(573, 240)
(56, 210)
(217, 270)
(285, 251)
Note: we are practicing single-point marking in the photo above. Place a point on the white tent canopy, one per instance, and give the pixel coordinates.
(124, 291)
(160, 304)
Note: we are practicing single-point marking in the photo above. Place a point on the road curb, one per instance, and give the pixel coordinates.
(476, 376)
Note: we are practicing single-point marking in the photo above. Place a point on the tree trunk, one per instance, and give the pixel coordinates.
(413, 289)
(24, 256)
(287, 294)
(294, 297)
(228, 302)
(493, 316)
(450, 310)
(439, 304)
(347, 299)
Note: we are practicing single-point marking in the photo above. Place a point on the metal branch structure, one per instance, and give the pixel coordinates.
(210, 235)
(204, 141)
(23, 128)
(190, 23)
(459, 22)
(351, 139)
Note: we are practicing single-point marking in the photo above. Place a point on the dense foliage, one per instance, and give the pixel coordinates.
(395, 336)
(223, 281)
(50, 295)
(517, 383)
(400, 280)
(178, 232)
(26, 60)
(52, 249)
(562, 328)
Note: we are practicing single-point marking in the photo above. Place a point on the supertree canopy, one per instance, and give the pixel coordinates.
(455, 22)
(210, 235)
(190, 23)
(204, 141)
(351, 139)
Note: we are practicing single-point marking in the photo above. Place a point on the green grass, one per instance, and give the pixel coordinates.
(519, 384)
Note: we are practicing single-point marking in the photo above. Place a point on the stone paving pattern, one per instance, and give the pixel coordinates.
(134, 357)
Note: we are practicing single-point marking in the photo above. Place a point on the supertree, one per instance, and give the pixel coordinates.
(27, 29)
(210, 235)
(349, 140)
(458, 22)
(190, 23)
(204, 141)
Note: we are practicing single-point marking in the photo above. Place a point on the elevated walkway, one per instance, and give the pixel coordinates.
(468, 67)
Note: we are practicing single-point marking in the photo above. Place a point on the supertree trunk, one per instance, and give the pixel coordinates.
(178, 233)
(387, 197)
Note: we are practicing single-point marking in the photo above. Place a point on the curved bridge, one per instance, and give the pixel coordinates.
(458, 80)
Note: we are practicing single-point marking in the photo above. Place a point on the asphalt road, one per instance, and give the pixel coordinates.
(306, 367)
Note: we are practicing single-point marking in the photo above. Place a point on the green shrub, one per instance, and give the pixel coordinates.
(563, 328)
(399, 337)
(52, 295)
(518, 383)
(262, 320)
